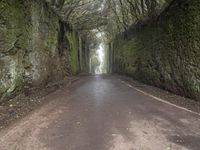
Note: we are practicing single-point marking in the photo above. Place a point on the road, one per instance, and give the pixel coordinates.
(103, 113)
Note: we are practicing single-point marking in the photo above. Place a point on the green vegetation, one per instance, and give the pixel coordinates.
(73, 41)
(164, 52)
(43, 40)
(12, 25)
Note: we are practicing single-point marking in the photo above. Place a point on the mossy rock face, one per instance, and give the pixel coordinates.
(166, 52)
(28, 46)
(31, 52)
(42, 58)
(12, 43)
(73, 41)
(73, 50)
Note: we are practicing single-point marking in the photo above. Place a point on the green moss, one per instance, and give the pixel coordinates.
(28, 33)
(165, 53)
(73, 41)
(19, 85)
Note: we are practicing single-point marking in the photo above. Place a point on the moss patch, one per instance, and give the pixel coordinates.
(73, 41)
(165, 52)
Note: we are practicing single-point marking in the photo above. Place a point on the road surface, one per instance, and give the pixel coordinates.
(103, 113)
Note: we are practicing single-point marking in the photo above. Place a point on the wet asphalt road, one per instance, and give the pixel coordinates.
(103, 113)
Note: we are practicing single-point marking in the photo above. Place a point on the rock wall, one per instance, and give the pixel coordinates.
(84, 53)
(32, 51)
(75, 48)
(165, 51)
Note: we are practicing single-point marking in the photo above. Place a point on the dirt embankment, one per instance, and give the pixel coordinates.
(23, 104)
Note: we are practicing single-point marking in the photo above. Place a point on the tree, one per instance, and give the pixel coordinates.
(127, 12)
(81, 14)
(111, 16)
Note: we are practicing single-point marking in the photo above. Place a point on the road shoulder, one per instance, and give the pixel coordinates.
(168, 97)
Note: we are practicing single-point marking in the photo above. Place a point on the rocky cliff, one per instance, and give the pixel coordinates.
(164, 51)
(35, 47)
